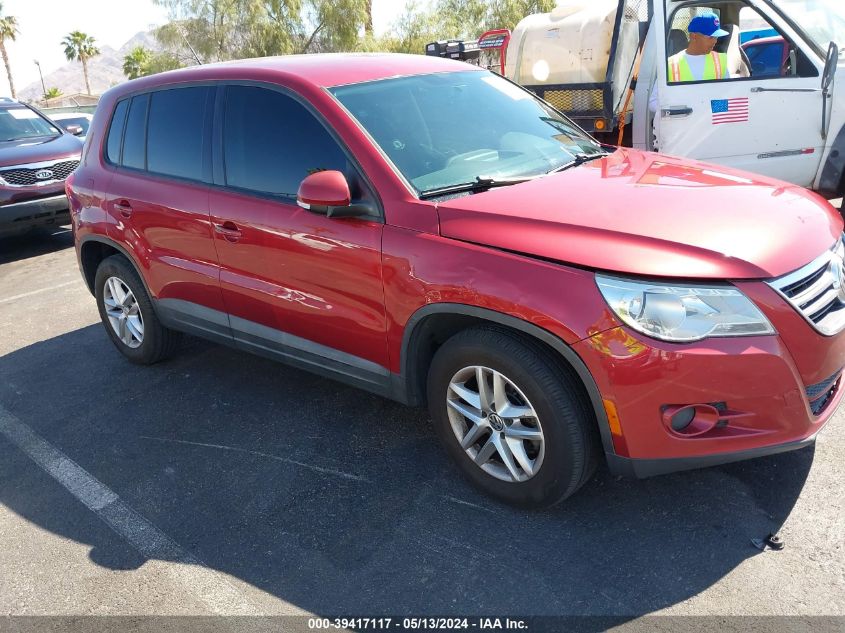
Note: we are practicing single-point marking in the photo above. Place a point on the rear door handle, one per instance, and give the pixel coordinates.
(228, 230)
(677, 111)
(123, 207)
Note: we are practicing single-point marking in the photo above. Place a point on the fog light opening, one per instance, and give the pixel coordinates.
(691, 420)
(682, 419)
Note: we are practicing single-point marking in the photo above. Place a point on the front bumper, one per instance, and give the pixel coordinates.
(772, 393)
(19, 216)
(643, 468)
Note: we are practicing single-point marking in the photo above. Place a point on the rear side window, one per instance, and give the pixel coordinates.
(271, 142)
(116, 132)
(175, 132)
(134, 146)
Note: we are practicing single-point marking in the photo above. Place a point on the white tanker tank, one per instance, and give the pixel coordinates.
(580, 57)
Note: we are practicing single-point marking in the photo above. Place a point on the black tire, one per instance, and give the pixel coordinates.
(158, 341)
(557, 396)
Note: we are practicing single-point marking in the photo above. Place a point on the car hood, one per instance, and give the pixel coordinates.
(646, 214)
(37, 150)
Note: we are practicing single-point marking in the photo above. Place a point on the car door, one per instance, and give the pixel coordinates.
(297, 285)
(158, 203)
(770, 124)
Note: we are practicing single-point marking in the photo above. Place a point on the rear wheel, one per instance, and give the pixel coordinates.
(518, 425)
(127, 313)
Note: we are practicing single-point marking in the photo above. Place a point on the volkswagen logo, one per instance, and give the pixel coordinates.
(44, 174)
(496, 422)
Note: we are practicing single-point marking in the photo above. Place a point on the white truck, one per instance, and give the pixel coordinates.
(781, 114)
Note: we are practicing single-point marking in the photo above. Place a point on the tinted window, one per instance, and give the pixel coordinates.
(271, 142)
(133, 138)
(175, 132)
(116, 132)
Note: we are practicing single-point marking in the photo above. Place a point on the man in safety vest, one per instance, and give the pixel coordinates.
(700, 62)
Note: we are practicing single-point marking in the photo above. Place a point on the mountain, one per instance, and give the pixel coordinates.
(104, 70)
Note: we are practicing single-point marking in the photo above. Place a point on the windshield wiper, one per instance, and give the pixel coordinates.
(580, 159)
(479, 184)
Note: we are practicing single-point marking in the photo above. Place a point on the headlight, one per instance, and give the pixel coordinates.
(683, 313)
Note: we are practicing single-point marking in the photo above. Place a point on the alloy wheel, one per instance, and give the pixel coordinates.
(123, 312)
(495, 424)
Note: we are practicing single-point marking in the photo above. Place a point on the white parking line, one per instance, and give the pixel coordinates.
(219, 595)
(38, 292)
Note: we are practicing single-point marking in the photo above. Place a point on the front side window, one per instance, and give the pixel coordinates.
(82, 122)
(729, 42)
(271, 142)
(445, 129)
(175, 132)
(23, 123)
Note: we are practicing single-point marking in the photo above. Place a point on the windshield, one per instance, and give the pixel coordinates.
(822, 20)
(21, 123)
(445, 129)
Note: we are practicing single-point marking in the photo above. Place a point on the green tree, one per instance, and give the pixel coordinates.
(201, 31)
(79, 46)
(52, 93)
(8, 31)
(135, 63)
(506, 14)
(161, 62)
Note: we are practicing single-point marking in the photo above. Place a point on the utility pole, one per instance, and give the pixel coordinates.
(43, 87)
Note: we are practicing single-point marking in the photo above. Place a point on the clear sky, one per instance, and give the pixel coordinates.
(44, 23)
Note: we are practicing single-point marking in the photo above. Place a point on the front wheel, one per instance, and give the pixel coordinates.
(516, 423)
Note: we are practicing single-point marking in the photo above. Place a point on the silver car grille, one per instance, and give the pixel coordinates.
(817, 291)
(34, 174)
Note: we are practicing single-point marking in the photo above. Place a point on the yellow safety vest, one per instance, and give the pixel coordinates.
(714, 67)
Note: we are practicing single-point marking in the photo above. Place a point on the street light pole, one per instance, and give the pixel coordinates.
(43, 87)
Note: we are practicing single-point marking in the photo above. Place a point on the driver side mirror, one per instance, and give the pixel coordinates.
(74, 129)
(327, 192)
(830, 65)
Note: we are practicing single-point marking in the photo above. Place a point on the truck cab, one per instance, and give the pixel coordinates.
(782, 121)
(778, 111)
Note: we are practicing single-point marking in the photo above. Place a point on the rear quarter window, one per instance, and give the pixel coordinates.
(116, 132)
(134, 145)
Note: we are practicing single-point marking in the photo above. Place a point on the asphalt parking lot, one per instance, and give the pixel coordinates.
(222, 483)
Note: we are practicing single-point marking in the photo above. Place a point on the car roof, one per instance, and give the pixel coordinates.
(323, 70)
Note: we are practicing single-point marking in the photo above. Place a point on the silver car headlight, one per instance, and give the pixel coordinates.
(683, 313)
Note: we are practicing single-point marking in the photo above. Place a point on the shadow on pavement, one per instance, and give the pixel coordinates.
(342, 503)
(36, 242)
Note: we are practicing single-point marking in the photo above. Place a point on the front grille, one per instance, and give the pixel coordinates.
(822, 393)
(25, 176)
(591, 100)
(817, 291)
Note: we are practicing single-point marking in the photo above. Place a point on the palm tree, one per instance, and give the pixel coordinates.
(8, 31)
(136, 62)
(79, 46)
(52, 93)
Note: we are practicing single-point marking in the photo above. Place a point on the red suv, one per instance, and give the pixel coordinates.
(435, 234)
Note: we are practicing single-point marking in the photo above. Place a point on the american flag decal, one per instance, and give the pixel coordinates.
(729, 110)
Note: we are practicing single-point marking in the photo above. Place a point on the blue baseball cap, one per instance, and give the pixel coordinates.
(707, 24)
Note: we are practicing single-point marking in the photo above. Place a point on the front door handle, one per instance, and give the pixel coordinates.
(677, 111)
(123, 207)
(229, 230)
